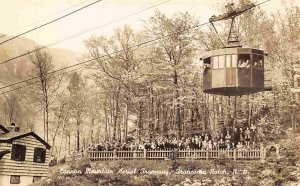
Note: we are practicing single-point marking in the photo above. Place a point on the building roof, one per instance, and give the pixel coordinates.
(3, 152)
(5, 130)
(11, 136)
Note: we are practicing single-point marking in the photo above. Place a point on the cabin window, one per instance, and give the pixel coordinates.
(18, 152)
(231, 61)
(215, 62)
(257, 61)
(218, 62)
(228, 61)
(206, 64)
(207, 61)
(244, 61)
(221, 61)
(36, 178)
(39, 155)
(15, 179)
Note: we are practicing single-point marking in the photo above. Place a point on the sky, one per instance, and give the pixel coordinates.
(18, 16)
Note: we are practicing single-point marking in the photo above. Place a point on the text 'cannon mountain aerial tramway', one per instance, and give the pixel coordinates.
(233, 70)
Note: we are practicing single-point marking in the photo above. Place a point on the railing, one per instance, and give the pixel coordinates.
(236, 154)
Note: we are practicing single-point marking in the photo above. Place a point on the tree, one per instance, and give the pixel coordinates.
(11, 109)
(61, 112)
(48, 83)
(119, 69)
(77, 100)
(175, 53)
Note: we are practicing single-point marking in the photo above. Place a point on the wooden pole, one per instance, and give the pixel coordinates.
(145, 153)
(234, 154)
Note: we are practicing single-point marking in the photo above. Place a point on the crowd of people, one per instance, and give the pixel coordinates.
(238, 138)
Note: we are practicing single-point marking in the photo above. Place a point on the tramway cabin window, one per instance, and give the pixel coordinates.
(231, 61)
(207, 64)
(218, 62)
(18, 152)
(15, 179)
(257, 61)
(244, 61)
(39, 155)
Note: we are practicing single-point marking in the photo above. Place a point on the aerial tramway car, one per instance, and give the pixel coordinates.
(233, 70)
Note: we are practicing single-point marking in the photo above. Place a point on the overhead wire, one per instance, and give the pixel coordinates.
(52, 21)
(36, 82)
(38, 21)
(64, 72)
(23, 81)
(85, 31)
(106, 55)
(232, 22)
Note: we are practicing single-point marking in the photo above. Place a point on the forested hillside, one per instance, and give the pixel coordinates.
(17, 105)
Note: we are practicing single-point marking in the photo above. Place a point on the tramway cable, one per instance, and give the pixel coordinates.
(52, 21)
(130, 47)
(90, 60)
(36, 82)
(38, 21)
(83, 32)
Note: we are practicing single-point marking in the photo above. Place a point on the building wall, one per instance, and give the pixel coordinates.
(4, 146)
(26, 169)
(24, 180)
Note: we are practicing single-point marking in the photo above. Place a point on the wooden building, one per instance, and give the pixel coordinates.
(24, 157)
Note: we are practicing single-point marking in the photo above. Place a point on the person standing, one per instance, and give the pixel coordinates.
(241, 136)
(253, 137)
(206, 138)
(227, 138)
(247, 136)
(222, 144)
(236, 136)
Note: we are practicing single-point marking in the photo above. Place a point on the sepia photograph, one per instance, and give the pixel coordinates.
(150, 93)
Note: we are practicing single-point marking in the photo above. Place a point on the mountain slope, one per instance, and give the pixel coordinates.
(21, 68)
